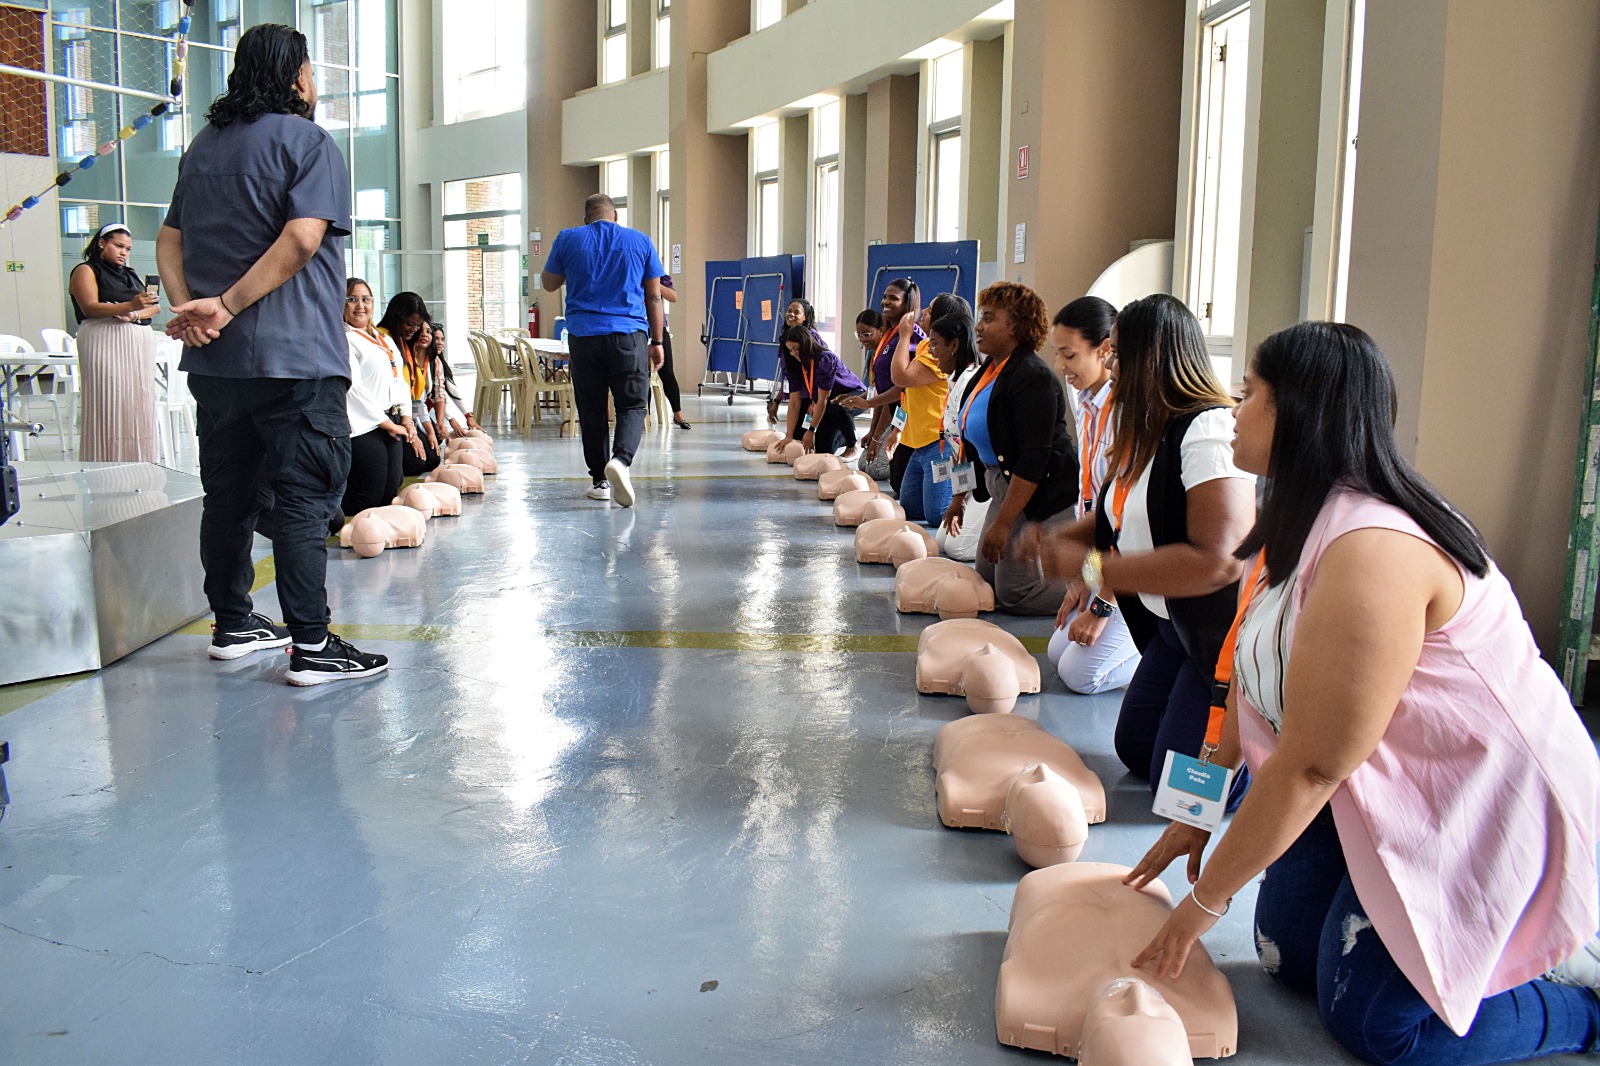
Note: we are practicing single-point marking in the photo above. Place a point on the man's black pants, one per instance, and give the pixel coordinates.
(618, 363)
(277, 440)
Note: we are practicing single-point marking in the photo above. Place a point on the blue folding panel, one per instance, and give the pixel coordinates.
(768, 288)
(935, 267)
(724, 336)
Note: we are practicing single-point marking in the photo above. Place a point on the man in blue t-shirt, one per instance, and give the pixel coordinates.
(613, 280)
(252, 256)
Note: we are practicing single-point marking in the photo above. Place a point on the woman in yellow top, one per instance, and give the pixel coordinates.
(923, 496)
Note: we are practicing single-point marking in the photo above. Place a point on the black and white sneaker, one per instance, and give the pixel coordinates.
(338, 660)
(257, 634)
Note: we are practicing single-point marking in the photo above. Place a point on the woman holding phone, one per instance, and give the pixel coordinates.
(116, 351)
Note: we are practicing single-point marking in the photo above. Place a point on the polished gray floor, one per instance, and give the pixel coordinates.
(641, 787)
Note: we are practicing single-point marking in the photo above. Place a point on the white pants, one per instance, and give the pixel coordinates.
(964, 546)
(1106, 664)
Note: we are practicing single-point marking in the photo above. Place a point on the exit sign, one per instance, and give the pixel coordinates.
(15, 267)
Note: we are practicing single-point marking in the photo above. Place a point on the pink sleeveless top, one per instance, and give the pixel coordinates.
(1470, 831)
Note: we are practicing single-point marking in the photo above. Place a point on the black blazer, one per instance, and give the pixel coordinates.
(1031, 435)
(1202, 622)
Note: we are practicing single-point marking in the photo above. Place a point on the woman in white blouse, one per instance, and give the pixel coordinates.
(378, 405)
(1164, 529)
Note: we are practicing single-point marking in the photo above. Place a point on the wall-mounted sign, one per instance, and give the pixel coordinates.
(1022, 162)
(677, 259)
(1019, 252)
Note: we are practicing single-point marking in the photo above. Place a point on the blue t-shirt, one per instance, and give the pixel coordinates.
(238, 187)
(975, 430)
(606, 266)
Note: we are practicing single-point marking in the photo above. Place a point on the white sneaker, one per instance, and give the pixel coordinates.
(617, 474)
(601, 492)
(1582, 970)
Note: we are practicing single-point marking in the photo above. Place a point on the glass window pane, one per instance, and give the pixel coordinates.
(615, 180)
(616, 13)
(947, 80)
(614, 59)
(85, 118)
(663, 42)
(766, 138)
(259, 11)
(767, 12)
(826, 119)
(377, 39)
(947, 188)
(326, 24)
(333, 101)
(664, 169)
(767, 221)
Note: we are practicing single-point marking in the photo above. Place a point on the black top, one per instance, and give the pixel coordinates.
(1202, 622)
(1031, 435)
(118, 284)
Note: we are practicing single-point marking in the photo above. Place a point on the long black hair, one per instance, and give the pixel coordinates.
(266, 64)
(97, 244)
(1163, 371)
(1090, 316)
(957, 328)
(805, 338)
(906, 287)
(402, 305)
(1336, 407)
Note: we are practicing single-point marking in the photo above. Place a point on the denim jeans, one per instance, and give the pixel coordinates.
(1166, 708)
(1313, 935)
(924, 499)
(268, 443)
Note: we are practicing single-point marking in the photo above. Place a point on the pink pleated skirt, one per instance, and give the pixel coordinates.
(117, 363)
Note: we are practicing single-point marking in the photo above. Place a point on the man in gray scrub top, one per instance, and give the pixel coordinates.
(252, 255)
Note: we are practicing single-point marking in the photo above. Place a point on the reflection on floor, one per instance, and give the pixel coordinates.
(644, 786)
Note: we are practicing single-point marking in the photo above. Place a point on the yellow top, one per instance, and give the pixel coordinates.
(924, 404)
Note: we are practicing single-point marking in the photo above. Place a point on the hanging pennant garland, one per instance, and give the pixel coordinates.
(180, 63)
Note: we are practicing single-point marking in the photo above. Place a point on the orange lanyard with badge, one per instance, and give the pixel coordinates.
(394, 367)
(963, 474)
(1224, 672)
(1091, 448)
(810, 380)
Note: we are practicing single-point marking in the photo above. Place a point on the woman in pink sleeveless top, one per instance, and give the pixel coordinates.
(1425, 797)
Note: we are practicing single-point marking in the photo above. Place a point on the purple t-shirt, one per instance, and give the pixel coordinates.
(831, 376)
(883, 362)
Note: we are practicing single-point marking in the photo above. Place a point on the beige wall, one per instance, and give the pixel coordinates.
(614, 120)
(894, 170)
(982, 149)
(853, 163)
(35, 298)
(1095, 96)
(708, 171)
(1472, 256)
(556, 71)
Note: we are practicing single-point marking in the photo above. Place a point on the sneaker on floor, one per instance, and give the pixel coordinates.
(338, 660)
(257, 634)
(1582, 970)
(602, 491)
(621, 483)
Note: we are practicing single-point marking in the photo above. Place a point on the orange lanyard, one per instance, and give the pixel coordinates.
(985, 379)
(1224, 673)
(811, 381)
(1120, 488)
(394, 368)
(1091, 448)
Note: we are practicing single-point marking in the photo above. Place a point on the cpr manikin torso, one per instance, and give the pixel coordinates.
(787, 454)
(836, 483)
(943, 587)
(977, 759)
(1082, 914)
(481, 458)
(812, 467)
(468, 444)
(1131, 1024)
(377, 528)
(759, 440)
(430, 498)
(978, 660)
(851, 508)
(875, 541)
(466, 479)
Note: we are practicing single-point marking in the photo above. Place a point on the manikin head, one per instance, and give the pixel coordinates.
(990, 681)
(1130, 1024)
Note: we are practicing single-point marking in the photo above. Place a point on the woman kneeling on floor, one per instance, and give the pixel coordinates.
(1425, 797)
(818, 380)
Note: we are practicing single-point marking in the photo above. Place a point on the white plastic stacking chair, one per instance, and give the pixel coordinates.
(174, 405)
(28, 390)
(59, 340)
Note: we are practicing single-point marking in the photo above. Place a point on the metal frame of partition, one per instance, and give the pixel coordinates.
(717, 343)
(751, 322)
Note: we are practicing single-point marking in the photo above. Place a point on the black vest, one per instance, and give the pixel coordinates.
(1202, 622)
(117, 285)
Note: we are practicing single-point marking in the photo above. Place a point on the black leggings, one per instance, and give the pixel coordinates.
(410, 465)
(669, 380)
(897, 466)
(375, 471)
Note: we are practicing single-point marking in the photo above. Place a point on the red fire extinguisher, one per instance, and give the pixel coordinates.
(533, 320)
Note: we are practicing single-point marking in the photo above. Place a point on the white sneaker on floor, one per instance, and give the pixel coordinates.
(1582, 970)
(601, 491)
(621, 483)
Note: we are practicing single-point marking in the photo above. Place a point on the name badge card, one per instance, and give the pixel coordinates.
(963, 477)
(941, 471)
(1193, 792)
(899, 418)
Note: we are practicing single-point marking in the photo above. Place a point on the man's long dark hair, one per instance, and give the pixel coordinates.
(1336, 407)
(266, 65)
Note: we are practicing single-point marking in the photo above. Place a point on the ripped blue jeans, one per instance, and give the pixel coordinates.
(1313, 935)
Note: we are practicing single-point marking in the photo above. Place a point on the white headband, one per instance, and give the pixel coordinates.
(112, 227)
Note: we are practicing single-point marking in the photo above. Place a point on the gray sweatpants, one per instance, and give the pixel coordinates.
(1019, 588)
